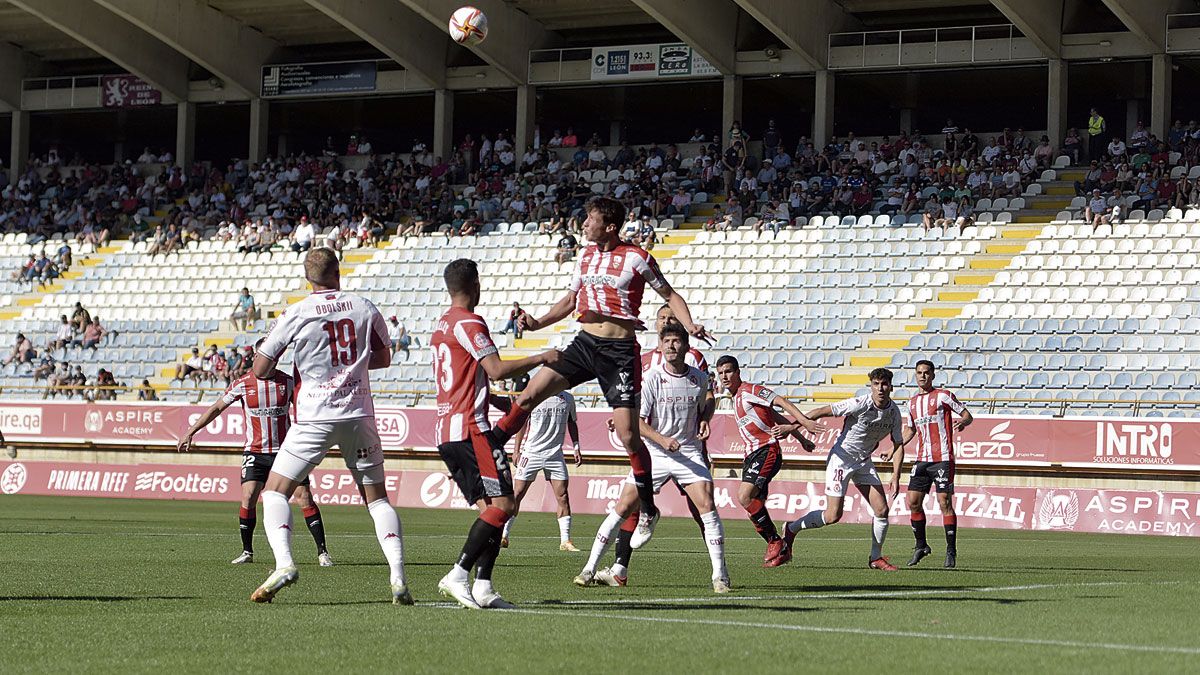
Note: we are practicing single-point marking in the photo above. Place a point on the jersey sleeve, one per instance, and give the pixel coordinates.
(473, 336)
(234, 393)
(648, 267)
(577, 275)
(759, 395)
(951, 401)
(701, 362)
(279, 337)
(379, 340)
(897, 426)
(572, 414)
(850, 406)
(646, 411)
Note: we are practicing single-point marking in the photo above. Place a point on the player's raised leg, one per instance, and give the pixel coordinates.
(316, 527)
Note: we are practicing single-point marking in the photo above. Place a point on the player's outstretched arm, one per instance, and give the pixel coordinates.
(558, 312)
(518, 442)
(818, 413)
(498, 369)
(682, 312)
(214, 411)
(809, 423)
(897, 457)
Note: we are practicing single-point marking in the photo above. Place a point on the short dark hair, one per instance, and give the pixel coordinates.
(926, 362)
(880, 374)
(674, 329)
(612, 212)
(730, 361)
(461, 275)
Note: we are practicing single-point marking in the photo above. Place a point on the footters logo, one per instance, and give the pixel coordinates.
(13, 478)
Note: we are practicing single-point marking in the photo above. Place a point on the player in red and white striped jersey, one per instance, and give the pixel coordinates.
(464, 358)
(761, 428)
(606, 294)
(930, 420)
(266, 414)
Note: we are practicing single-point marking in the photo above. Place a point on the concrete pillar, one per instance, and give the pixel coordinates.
(119, 148)
(731, 105)
(1056, 102)
(18, 150)
(260, 114)
(823, 109)
(443, 123)
(1132, 115)
(614, 132)
(906, 119)
(1161, 74)
(526, 118)
(185, 133)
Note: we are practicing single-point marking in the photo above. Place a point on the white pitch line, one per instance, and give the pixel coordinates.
(1163, 649)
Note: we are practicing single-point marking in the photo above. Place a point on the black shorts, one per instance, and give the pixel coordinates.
(615, 364)
(761, 466)
(477, 468)
(256, 466)
(928, 474)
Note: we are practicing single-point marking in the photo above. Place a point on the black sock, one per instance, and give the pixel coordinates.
(487, 559)
(317, 529)
(764, 525)
(478, 541)
(951, 524)
(645, 489)
(918, 528)
(624, 548)
(246, 529)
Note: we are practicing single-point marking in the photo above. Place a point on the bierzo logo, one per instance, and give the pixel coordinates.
(1058, 511)
(13, 478)
(998, 446)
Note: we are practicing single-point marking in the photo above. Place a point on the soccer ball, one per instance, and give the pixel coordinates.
(468, 26)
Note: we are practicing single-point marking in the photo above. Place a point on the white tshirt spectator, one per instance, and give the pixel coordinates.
(1117, 148)
(507, 157)
(1098, 204)
(1012, 178)
(304, 233)
(597, 155)
(654, 163)
(990, 153)
(146, 157)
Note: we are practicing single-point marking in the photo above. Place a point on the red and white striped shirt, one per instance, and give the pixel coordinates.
(460, 340)
(754, 416)
(611, 283)
(694, 358)
(929, 414)
(267, 405)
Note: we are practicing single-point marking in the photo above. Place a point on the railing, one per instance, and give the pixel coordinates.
(1061, 408)
(992, 43)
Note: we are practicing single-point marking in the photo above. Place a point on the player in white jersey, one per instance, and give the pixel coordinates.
(336, 338)
(538, 448)
(675, 410)
(867, 420)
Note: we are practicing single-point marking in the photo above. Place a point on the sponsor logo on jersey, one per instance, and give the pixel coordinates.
(1059, 510)
(13, 478)
(481, 341)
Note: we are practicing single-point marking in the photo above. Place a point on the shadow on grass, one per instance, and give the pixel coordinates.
(665, 606)
(93, 598)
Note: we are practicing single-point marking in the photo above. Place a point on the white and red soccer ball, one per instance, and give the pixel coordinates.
(468, 26)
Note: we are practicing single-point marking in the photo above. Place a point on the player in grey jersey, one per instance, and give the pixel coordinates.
(539, 448)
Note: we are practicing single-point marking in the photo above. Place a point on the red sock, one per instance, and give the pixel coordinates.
(917, 516)
(755, 506)
(310, 511)
(513, 420)
(640, 461)
(244, 512)
(494, 516)
(950, 520)
(630, 523)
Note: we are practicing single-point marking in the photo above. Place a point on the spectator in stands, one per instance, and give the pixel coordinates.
(302, 237)
(192, 366)
(244, 311)
(568, 246)
(217, 366)
(63, 257)
(58, 381)
(22, 351)
(241, 363)
(91, 336)
(513, 324)
(45, 367)
(76, 382)
(570, 140)
(1140, 138)
(106, 386)
(158, 242)
(399, 336)
(1091, 180)
(1117, 149)
(80, 318)
(147, 392)
(373, 228)
(1096, 211)
(24, 272)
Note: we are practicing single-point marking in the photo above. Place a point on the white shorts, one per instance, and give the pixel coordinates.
(554, 467)
(685, 467)
(307, 443)
(839, 472)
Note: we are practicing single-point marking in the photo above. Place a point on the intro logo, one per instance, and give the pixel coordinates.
(93, 421)
(13, 478)
(392, 427)
(435, 489)
(1058, 511)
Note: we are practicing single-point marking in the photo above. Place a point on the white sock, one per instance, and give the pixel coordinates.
(508, 527)
(810, 521)
(714, 539)
(620, 570)
(277, 521)
(390, 535)
(482, 587)
(458, 574)
(564, 529)
(604, 538)
(878, 534)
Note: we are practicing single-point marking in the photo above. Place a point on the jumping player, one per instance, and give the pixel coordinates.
(868, 420)
(761, 429)
(606, 293)
(675, 411)
(336, 338)
(266, 405)
(464, 357)
(929, 419)
(539, 449)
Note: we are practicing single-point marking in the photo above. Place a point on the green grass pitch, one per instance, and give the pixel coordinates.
(94, 585)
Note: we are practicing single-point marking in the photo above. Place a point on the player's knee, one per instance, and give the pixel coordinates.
(914, 502)
(945, 503)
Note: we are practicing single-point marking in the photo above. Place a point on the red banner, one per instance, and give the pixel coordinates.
(1080, 510)
(1152, 443)
(127, 91)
